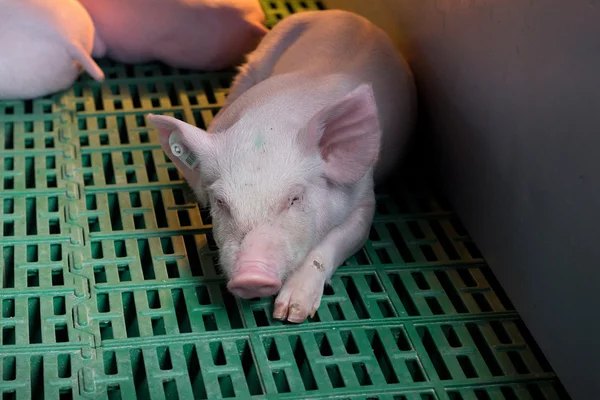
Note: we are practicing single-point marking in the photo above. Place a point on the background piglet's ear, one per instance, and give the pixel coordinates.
(348, 135)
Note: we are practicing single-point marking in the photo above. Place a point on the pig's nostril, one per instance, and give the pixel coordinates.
(254, 281)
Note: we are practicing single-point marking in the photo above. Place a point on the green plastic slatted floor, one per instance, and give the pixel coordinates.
(109, 287)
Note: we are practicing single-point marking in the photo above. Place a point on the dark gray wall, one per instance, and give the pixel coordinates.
(513, 92)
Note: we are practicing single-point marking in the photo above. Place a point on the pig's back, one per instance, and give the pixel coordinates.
(339, 43)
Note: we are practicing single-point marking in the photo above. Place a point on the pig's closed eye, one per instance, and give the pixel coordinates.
(221, 205)
(295, 200)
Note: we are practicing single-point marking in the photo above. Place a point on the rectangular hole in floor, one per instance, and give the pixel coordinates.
(106, 330)
(349, 342)
(51, 181)
(172, 269)
(404, 295)
(54, 226)
(32, 253)
(281, 381)
(323, 344)
(55, 252)
(226, 385)
(194, 371)
(434, 305)
(164, 358)
(131, 177)
(59, 305)
(9, 228)
(135, 200)
(384, 257)
(210, 322)
(90, 202)
(9, 206)
(50, 162)
(303, 363)
(271, 349)
(170, 389)
(336, 311)
(386, 309)
(153, 299)
(139, 222)
(405, 252)
(8, 335)
(203, 295)
(9, 183)
(401, 339)
(97, 251)
(100, 274)
(373, 282)
(484, 349)
(120, 248)
(130, 315)
(414, 368)
(184, 218)
(451, 336)
(159, 209)
(35, 328)
(110, 363)
(382, 357)
(8, 308)
(33, 278)
(58, 277)
(124, 273)
(355, 295)
(102, 302)
(61, 333)
(467, 367)
(181, 310)
(158, 326)
(434, 353)
(335, 376)
(9, 368)
(451, 291)
(362, 375)
(146, 260)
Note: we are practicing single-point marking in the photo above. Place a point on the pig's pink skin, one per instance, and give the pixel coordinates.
(43, 47)
(288, 164)
(195, 34)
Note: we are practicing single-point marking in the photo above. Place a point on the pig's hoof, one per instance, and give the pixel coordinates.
(300, 297)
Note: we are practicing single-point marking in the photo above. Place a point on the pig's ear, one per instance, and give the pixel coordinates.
(348, 136)
(185, 144)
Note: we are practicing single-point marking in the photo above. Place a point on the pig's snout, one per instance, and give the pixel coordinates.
(254, 279)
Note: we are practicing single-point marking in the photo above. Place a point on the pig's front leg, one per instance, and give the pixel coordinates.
(301, 293)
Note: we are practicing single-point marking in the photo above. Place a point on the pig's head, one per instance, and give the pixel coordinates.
(276, 191)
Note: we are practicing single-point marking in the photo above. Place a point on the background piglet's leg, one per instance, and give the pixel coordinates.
(301, 293)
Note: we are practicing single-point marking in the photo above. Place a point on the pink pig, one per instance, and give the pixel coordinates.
(43, 46)
(322, 109)
(195, 34)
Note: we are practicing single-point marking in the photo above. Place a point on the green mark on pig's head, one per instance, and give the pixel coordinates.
(259, 142)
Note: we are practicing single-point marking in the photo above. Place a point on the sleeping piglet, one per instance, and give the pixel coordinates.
(43, 45)
(194, 34)
(321, 111)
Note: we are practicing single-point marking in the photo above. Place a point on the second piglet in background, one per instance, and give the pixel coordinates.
(323, 106)
(44, 47)
(194, 34)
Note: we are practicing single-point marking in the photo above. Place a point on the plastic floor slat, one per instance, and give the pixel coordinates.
(110, 286)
